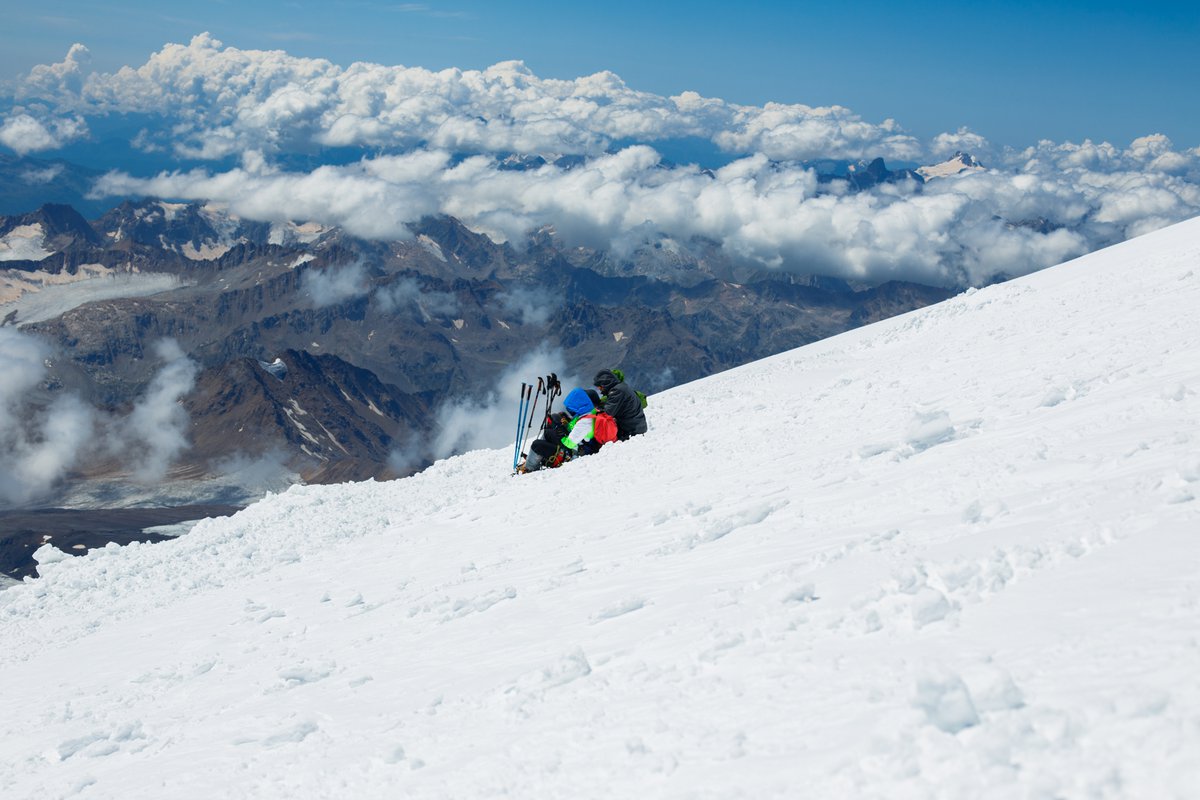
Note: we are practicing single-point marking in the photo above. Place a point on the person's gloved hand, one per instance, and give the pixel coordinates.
(556, 429)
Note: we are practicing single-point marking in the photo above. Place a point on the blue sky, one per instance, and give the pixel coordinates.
(1015, 72)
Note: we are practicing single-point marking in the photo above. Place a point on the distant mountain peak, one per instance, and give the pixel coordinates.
(869, 172)
(195, 231)
(39, 234)
(957, 164)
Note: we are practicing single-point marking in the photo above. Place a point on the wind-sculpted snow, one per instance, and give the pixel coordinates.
(952, 554)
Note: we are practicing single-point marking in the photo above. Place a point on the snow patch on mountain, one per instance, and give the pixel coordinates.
(202, 252)
(432, 247)
(956, 165)
(24, 243)
(286, 233)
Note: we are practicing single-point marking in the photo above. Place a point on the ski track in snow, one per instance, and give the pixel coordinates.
(953, 554)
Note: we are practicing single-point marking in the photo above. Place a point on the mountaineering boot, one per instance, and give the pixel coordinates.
(542, 455)
(533, 462)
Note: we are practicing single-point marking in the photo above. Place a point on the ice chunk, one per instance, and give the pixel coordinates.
(946, 701)
(929, 605)
(928, 428)
(49, 554)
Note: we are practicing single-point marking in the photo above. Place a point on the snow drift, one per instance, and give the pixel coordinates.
(954, 554)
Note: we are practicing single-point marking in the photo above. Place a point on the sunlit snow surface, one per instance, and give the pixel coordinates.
(954, 554)
(24, 243)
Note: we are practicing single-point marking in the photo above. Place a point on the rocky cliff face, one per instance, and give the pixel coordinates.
(374, 336)
(198, 233)
(334, 419)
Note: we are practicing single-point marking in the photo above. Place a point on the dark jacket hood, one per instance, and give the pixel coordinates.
(605, 379)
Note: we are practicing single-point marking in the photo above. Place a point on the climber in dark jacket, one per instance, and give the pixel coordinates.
(622, 403)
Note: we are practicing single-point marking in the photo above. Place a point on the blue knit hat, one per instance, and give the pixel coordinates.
(578, 402)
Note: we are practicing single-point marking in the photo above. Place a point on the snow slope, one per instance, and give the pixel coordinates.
(954, 554)
(24, 243)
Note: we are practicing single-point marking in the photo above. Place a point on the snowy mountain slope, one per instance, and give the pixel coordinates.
(952, 554)
(24, 243)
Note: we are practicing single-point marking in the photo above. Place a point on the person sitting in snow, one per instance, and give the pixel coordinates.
(568, 433)
(621, 402)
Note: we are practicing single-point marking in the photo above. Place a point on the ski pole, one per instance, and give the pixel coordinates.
(553, 390)
(540, 391)
(532, 411)
(520, 400)
(524, 408)
(520, 417)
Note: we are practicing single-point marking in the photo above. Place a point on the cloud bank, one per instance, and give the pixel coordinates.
(1056, 202)
(24, 133)
(435, 143)
(223, 101)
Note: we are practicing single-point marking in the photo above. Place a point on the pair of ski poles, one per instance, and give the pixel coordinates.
(548, 386)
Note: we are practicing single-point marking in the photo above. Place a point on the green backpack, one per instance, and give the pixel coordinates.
(641, 396)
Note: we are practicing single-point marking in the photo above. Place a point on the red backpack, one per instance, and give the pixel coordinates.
(604, 428)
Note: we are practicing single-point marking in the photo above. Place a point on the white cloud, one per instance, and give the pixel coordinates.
(406, 456)
(528, 305)
(155, 432)
(44, 437)
(40, 445)
(336, 283)
(255, 475)
(65, 428)
(25, 134)
(211, 145)
(797, 132)
(945, 145)
(407, 293)
(221, 100)
(53, 80)
(362, 203)
(38, 176)
(490, 422)
(23, 360)
(663, 379)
